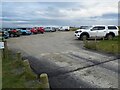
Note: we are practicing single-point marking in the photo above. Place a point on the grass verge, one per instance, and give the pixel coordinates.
(11, 79)
(73, 29)
(108, 46)
(13, 75)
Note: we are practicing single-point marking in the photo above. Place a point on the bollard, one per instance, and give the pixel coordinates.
(44, 81)
(29, 74)
(19, 56)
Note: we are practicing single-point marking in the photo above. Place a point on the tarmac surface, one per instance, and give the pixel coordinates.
(65, 60)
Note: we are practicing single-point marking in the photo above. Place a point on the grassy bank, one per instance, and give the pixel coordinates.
(73, 29)
(10, 77)
(108, 46)
(13, 75)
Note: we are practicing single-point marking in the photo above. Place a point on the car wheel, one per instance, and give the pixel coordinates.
(110, 37)
(18, 35)
(12, 35)
(79, 38)
(84, 37)
(32, 33)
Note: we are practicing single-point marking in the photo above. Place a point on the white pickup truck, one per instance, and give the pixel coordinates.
(97, 31)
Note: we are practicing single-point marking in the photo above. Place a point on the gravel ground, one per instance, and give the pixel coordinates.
(67, 63)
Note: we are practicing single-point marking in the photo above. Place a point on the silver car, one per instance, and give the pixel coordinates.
(49, 29)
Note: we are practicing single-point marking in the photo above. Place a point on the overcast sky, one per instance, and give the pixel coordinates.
(88, 12)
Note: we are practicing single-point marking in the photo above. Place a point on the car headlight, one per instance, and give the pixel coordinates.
(77, 31)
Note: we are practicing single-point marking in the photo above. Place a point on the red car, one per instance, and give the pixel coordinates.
(34, 31)
(40, 30)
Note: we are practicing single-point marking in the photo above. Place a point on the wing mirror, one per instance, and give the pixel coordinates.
(91, 29)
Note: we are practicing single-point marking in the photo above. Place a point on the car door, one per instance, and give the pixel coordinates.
(93, 31)
(101, 31)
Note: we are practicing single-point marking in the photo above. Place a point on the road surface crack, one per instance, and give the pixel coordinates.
(81, 68)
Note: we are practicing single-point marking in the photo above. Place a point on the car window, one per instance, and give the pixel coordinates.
(99, 28)
(47, 28)
(112, 27)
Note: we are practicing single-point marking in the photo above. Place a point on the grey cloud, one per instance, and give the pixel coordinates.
(45, 13)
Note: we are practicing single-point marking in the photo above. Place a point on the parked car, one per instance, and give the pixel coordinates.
(14, 33)
(34, 31)
(25, 31)
(64, 28)
(97, 31)
(49, 29)
(40, 29)
(4, 34)
(57, 28)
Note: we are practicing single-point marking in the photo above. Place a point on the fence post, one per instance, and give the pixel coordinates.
(29, 74)
(118, 52)
(103, 38)
(44, 81)
(96, 42)
(85, 43)
(113, 48)
(5, 50)
(5, 45)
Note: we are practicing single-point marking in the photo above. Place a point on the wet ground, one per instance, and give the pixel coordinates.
(67, 63)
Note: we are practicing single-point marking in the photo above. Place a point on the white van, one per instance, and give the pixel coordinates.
(65, 28)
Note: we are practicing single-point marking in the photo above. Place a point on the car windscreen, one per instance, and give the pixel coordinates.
(112, 27)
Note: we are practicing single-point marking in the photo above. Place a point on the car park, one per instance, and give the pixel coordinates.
(49, 29)
(97, 31)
